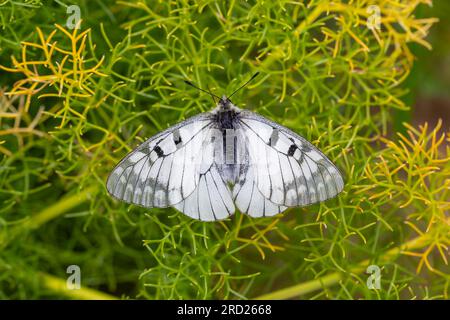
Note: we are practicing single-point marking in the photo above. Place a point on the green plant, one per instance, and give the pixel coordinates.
(325, 74)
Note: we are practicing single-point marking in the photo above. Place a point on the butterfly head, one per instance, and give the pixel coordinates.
(225, 103)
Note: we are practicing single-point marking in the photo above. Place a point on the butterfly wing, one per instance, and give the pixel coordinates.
(175, 168)
(284, 168)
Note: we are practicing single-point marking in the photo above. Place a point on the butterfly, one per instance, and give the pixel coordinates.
(209, 164)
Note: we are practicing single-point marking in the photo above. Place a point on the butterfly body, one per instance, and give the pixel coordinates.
(222, 159)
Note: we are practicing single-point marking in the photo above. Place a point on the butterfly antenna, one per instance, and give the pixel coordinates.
(210, 93)
(253, 77)
(203, 90)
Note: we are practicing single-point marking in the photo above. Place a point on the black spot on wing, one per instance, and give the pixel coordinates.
(292, 149)
(177, 138)
(304, 147)
(158, 151)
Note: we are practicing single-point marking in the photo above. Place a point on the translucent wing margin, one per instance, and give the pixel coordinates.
(287, 169)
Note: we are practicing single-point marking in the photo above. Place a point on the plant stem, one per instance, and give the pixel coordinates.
(333, 278)
(62, 206)
(59, 285)
(46, 215)
(59, 208)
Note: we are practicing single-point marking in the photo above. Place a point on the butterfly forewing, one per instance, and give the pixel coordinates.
(163, 170)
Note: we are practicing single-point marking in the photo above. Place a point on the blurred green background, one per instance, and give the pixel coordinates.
(429, 80)
(73, 102)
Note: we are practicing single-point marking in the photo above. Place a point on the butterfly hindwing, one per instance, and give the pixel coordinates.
(250, 200)
(211, 200)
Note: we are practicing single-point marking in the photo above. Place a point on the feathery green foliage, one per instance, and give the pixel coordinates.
(74, 102)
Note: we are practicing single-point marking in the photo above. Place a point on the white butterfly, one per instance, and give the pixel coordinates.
(206, 165)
